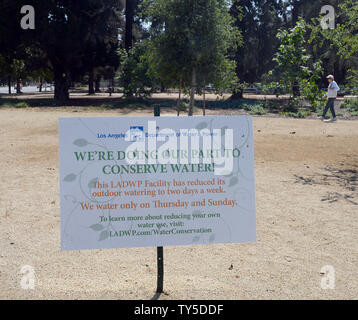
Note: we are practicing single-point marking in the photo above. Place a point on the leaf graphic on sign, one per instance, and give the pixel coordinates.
(233, 181)
(70, 177)
(92, 182)
(212, 238)
(80, 142)
(70, 198)
(104, 235)
(202, 125)
(97, 227)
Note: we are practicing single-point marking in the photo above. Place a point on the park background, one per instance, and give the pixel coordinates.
(269, 59)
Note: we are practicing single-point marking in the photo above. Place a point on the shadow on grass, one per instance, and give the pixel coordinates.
(100, 103)
(108, 103)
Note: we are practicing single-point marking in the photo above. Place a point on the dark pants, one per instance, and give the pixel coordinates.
(330, 105)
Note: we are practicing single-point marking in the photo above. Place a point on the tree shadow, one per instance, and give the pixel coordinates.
(344, 178)
(45, 100)
(335, 197)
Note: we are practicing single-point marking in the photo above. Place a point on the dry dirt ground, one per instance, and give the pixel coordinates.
(307, 218)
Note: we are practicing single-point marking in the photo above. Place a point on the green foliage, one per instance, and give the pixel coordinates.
(13, 104)
(256, 109)
(351, 105)
(221, 41)
(352, 80)
(345, 35)
(333, 46)
(293, 66)
(278, 87)
(11, 43)
(76, 36)
(21, 105)
(310, 89)
(258, 21)
(134, 71)
(292, 58)
(297, 114)
(191, 36)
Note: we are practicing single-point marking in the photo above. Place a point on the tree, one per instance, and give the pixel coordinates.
(343, 39)
(258, 20)
(345, 35)
(216, 63)
(135, 66)
(292, 58)
(190, 42)
(132, 34)
(131, 11)
(336, 47)
(12, 46)
(76, 35)
(294, 64)
(101, 23)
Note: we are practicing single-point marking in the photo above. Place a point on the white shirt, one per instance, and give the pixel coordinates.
(333, 88)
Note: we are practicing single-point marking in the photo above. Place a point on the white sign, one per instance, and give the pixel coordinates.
(156, 181)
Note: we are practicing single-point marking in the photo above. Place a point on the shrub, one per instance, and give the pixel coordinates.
(298, 114)
(255, 109)
(13, 104)
(350, 104)
(20, 105)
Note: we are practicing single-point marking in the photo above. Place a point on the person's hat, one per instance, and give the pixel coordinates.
(330, 77)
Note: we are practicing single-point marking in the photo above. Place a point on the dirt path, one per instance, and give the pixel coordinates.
(307, 217)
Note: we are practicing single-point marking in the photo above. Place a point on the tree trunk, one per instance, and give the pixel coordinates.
(129, 15)
(192, 93)
(238, 95)
(162, 87)
(9, 83)
(18, 86)
(296, 89)
(90, 83)
(295, 11)
(204, 106)
(40, 85)
(61, 88)
(179, 100)
(128, 43)
(98, 84)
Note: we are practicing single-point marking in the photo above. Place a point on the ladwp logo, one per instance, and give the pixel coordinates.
(136, 133)
(328, 20)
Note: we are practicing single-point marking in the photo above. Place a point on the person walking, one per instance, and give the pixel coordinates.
(331, 94)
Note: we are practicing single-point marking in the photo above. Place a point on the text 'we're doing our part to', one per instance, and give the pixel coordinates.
(194, 150)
